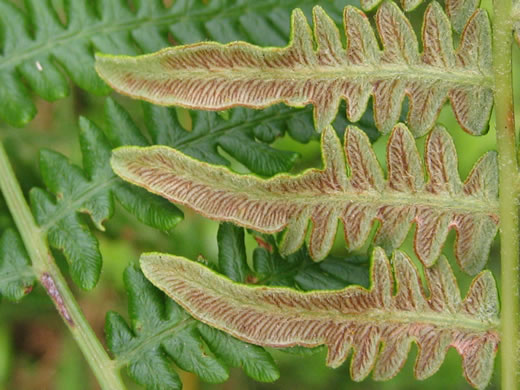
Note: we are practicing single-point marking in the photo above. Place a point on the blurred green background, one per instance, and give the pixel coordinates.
(36, 351)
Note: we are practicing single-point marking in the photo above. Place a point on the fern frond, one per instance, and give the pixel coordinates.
(328, 195)
(352, 318)
(160, 328)
(38, 50)
(244, 135)
(213, 76)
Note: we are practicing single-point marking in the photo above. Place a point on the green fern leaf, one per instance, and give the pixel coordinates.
(91, 191)
(212, 76)
(16, 274)
(255, 361)
(244, 135)
(232, 258)
(162, 332)
(238, 135)
(298, 270)
(38, 51)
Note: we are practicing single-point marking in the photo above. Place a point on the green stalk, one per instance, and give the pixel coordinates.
(53, 281)
(508, 206)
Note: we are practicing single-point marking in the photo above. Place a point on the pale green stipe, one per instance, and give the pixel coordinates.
(507, 143)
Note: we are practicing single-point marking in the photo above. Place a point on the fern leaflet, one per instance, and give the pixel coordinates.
(213, 76)
(352, 318)
(298, 270)
(91, 190)
(328, 195)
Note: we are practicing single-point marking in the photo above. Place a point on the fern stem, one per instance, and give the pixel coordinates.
(508, 169)
(53, 281)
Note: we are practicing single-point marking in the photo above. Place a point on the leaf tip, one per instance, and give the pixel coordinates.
(119, 159)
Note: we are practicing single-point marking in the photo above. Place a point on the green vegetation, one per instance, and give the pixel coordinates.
(72, 229)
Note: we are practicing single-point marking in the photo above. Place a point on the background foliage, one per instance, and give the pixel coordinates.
(35, 349)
